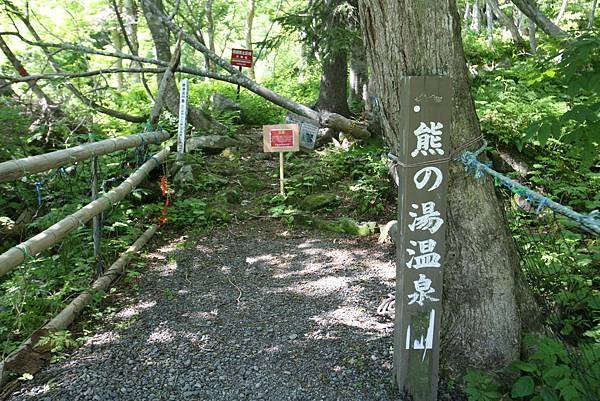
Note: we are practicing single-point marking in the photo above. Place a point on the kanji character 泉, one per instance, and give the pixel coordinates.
(423, 290)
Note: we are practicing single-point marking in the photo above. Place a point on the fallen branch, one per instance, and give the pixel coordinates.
(329, 120)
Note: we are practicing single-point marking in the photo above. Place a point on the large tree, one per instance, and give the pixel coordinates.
(481, 323)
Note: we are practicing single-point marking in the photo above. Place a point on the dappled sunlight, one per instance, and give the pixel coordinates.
(134, 310)
(161, 335)
(352, 317)
(104, 338)
(323, 286)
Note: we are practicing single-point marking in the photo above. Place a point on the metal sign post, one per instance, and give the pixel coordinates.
(422, 202)
(241, 58)
(183, 96)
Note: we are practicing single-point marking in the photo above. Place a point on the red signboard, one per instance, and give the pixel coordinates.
(282, 138)
(241, 57)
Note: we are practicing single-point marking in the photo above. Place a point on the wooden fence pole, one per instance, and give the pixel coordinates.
(29, 357)
(14, 169)
(44, 240)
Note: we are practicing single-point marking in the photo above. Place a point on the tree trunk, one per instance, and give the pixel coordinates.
(476, 22)
(359, 77)
(131, 22)
(507, 21)
(531, 28)
(117, 40)
(489, 14)
(333, 93)
(481, 326)
(249, 22)
(467, 12)
(210, 29)
(561, 12)
(592, 14)
(160, 36)
(530, 9)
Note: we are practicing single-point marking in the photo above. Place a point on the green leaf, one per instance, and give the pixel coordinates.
(523, 387)
(524, 366)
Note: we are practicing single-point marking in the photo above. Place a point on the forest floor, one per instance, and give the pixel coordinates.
(255, 311)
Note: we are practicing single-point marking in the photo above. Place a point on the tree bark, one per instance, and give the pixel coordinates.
(561, 12)
(131, 22)
(118, 45)
(531, 28)
(249, 23)
(592, 14)
(333, 93)
(210, 28)
(160, 36)
(467, 12)
(507, 21)
(359, 74)
(530, 9)
(476, 17)
(481, 326)
(489, 14)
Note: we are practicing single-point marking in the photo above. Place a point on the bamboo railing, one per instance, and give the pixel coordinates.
(13, 169)
(44, 240)
(29, 356)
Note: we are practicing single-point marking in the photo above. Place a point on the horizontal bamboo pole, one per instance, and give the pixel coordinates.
(44, 240)
(13, 169)
(28, 358)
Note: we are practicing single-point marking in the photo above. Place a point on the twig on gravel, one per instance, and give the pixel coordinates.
(238, 288)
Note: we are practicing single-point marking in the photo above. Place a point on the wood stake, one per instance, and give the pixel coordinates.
(281, 173)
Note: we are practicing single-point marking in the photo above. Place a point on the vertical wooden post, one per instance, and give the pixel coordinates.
(97, 221)
(238, 86)
(422, 203)
(281, 186)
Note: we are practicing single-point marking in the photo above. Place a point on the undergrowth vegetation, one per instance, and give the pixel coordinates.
(544, 108)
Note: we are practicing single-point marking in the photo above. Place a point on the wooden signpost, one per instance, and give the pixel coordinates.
(241, 58)
(281, 138)
(422, 203)
(183, 95)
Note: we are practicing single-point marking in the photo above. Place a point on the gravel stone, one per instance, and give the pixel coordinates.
(253, 312)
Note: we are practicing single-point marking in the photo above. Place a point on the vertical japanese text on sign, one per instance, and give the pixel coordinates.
(422, 204)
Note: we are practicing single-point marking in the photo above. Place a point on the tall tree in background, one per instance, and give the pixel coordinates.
(482, 319)
(333, 93)
(249, 23)
(160, 37)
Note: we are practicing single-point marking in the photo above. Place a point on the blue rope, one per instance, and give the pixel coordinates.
(590, 222)
(38, 189)
(155, 160)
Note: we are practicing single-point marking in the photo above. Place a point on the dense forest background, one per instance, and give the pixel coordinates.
(535, 78)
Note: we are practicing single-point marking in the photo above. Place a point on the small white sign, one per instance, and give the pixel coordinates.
(308, 130)
(182, 119)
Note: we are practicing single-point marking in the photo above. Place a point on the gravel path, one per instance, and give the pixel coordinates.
(246, 314)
